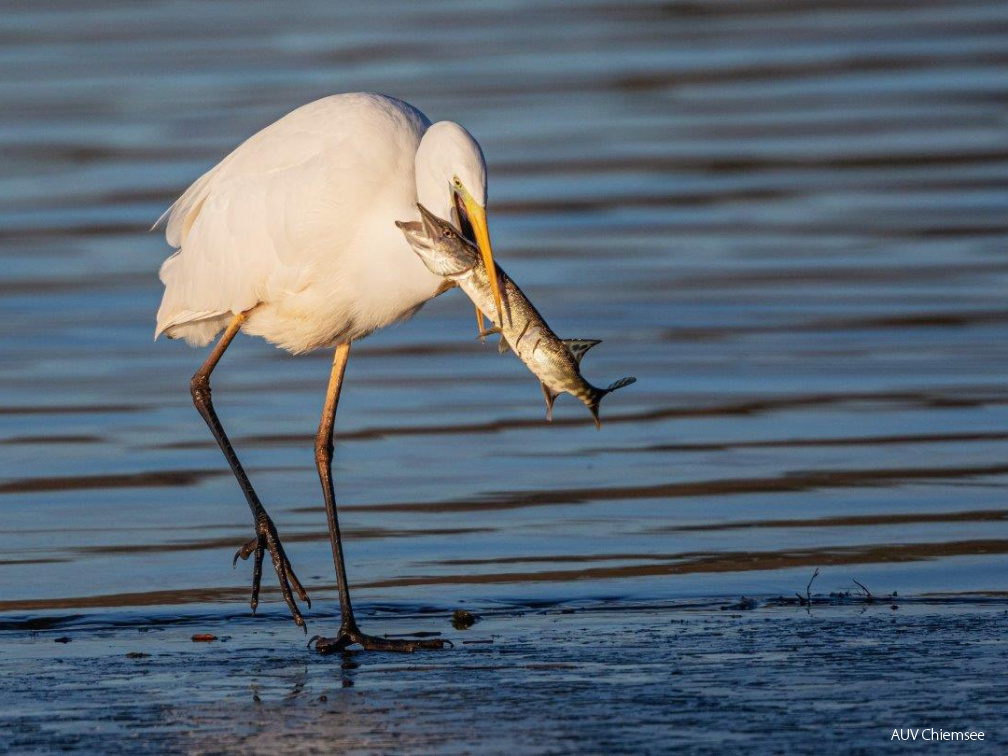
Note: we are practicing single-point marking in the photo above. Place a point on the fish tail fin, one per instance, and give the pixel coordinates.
(620, 384)
(595, 397)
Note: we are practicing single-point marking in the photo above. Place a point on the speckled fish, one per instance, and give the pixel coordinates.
(555, 362)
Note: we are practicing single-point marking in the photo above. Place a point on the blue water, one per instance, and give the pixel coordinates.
(786, 219)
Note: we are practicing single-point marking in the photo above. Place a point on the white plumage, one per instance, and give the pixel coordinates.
(297, 225)
(293, 237)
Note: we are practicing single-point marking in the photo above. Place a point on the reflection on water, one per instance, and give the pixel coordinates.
(786, 219)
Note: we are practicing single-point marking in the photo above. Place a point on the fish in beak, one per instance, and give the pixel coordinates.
(472, 217)
(446, 251)
(441, 246)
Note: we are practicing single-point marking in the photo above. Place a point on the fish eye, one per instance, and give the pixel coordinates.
(448, 233)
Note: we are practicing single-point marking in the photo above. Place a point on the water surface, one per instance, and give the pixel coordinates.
(787, 219)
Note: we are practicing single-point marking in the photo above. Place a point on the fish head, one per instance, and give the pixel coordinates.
(441, 246)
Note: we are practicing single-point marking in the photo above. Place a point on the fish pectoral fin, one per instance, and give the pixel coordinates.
(502, 345)
(550, 397)
(578, 347)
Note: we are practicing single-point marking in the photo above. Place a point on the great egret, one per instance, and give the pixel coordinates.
(292, 237)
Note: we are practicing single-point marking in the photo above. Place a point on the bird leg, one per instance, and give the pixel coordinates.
(481, 333)
(349, 633)
(266, 537)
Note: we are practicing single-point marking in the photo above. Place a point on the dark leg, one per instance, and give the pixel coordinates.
(266, 535)
(349, 633)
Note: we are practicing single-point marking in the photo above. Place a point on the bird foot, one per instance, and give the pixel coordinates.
(348, 636)
(484, 332)
(267, 539)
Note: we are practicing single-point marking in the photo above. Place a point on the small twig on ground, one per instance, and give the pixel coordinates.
(808, 588)
(869, 598)
(806, 600)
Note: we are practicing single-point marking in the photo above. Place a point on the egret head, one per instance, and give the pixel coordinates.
(451, 181)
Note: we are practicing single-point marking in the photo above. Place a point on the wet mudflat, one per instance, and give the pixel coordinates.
(787, 219)
(697, 676)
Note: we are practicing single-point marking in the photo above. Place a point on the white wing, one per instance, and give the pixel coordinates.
(286, 201)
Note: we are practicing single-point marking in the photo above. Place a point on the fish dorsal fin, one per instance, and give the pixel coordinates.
(549, 396)
(578, 347)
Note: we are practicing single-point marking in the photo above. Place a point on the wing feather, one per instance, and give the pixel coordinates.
(256, 223)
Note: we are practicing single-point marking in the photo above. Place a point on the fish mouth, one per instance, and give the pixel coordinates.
(414, 231)
(430, 223)
(462, 218)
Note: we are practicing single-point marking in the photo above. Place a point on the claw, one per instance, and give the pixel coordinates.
(276, 552)
(479, 326)
(482, 335)
(374, 643)
(302, 593)
(244, 552)
(257, 575)
(332, 645)
(267, 538)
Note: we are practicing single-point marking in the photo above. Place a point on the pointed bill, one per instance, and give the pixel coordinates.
(477, 219)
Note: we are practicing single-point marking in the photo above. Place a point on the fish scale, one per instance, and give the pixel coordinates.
(554, 361)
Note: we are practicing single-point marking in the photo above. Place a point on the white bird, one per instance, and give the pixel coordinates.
(292, 237)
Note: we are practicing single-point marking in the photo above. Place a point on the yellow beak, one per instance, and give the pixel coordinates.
(477, 219)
